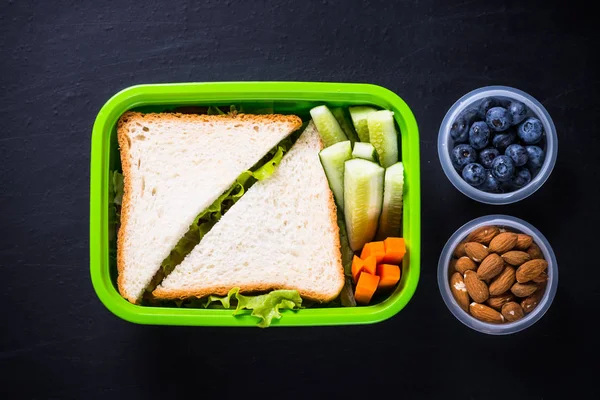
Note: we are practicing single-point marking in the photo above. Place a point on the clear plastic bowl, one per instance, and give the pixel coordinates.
(517, 225)
(445, 144)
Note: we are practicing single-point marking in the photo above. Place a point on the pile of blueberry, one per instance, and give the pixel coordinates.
(498, 148)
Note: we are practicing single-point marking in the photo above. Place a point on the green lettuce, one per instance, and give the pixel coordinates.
(264, 306)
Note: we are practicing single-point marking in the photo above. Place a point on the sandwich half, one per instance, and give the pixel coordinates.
(282, 234)
(174, 167)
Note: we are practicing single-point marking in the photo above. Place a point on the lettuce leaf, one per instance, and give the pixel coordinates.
(264, 306)
(117, 186)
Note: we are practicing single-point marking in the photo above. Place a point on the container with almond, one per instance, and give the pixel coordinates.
(498, 274)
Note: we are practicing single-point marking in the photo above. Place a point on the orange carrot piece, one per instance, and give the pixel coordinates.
(370, 265)
(373, 248)
(365, 288)
(388, 274)
(357, 267)
(395, 249)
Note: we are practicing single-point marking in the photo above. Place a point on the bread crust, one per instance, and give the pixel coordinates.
(124, 142)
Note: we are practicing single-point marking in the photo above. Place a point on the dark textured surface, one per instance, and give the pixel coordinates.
(61, 62)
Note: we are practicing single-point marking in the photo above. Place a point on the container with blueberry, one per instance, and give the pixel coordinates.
(498, 145)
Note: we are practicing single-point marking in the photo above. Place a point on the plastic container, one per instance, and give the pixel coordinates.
(284, 97)
(445, 144)
(517, 225)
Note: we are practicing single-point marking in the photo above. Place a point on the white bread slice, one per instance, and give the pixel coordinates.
(174, 167)
(282, 234)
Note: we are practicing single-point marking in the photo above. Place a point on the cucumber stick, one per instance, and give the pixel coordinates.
(327, 125)
(363, 196)
(390, 221)
(333, 159)
(383, 136)
(359, 119)
(341, 115)
(365, 151)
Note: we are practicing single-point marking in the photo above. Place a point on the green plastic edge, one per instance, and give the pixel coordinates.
(194, 93)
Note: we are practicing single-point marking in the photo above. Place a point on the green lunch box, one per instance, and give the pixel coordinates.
(284, 98)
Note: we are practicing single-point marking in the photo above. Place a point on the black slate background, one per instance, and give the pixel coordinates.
(59, 63)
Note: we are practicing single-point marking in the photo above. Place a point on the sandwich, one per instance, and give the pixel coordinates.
(175, 166)
(282, 234)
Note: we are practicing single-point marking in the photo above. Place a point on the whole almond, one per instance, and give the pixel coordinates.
(530, 270)
(523, 289)
(485, 313)
(512, 311)
(498, 301)
(535, 252)
(459, 290)
(476, 251)
(523, 241)
(452, 266)
(503, 282)
(460, 250)
(503, 242)
(464, 264)
(483, 234)
(532, 301)
(516, 257)
(476, 288)
(541, 278)
(491, 266)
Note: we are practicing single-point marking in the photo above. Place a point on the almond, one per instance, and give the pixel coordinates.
(535, 252)
(491, 266)
(523, 241)
(460, 250)
(498, 301)
(483, 234)
(532, 301)
(512, 311)
(503, 282)
(464, 264)
(476, 288)
(541, 278)
(503, 242)
(452, 266)
(485, 313)
(476, 251)
(531, 269)
(523, 289)
(459, 290)
(516, 257)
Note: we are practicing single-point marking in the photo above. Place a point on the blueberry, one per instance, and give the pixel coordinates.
(487, 156)
(522, 177)
(498, 119)
(517, 153)
(486, 104)
(490, 184)
(459, 130)
(502, 140)
(530, 131)
(479, 135)
(503, 168)
(474, 174)
(518, 111)
(535, 157)
(462, 155)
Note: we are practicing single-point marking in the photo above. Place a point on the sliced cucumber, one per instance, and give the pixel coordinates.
(359, 119)
(366, 151)
(341, 115)
(327, 125)
(333, 159)
(363, 195)
(383, 135)
(390, 221)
